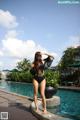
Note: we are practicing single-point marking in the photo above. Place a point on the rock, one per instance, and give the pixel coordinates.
(53, 102)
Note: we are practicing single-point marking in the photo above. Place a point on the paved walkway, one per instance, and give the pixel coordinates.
(18, 107)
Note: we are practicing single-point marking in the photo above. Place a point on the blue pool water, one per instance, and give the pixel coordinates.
(70, 100)
(70, 104)
(25, 89)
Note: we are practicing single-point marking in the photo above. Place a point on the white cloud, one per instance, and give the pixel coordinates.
(11, 34)
(7, 20)
(18, 49)
(1, 53)
(14, 47)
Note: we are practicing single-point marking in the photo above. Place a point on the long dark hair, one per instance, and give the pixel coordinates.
(37, 60)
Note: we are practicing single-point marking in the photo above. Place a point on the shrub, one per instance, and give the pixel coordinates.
(20, 76)
(52, 78)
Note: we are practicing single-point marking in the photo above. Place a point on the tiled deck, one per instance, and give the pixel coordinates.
(18, 107)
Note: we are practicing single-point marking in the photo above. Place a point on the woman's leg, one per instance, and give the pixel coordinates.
(35, 84)
(42, 91)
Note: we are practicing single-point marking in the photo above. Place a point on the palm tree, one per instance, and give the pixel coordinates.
(24, 65)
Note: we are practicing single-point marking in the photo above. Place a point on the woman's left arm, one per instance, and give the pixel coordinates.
(48, 55)
(48, 61)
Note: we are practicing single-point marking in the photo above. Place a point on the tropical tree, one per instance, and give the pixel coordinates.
(22, 72)
(69, 64)
(70, 56)
(23, 65)
(67, 58)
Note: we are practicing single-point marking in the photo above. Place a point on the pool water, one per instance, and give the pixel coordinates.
(25, 89)
(70, 100)
(70, 104)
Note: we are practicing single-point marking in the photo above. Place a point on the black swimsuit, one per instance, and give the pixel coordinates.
(39, 79)
(36, 76)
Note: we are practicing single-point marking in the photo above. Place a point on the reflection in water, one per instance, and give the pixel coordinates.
(3, 75)
(4, 84)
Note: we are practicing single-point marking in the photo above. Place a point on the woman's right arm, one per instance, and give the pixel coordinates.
(32, 70)
(32, 65)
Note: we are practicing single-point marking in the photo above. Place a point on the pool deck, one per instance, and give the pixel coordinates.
(18, 107)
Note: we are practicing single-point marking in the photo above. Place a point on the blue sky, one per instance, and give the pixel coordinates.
(30, 25)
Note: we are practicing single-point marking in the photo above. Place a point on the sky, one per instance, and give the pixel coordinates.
(27, 26)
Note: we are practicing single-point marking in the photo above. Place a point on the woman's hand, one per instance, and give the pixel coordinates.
(47, 55)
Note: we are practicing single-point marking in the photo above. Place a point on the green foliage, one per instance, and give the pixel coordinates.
(21, 73)
(20, 76)
(68, 64)
(52, 78)
(68, 57)
(24, 65)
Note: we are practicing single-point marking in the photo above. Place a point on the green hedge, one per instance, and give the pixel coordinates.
(20, 77)
(52, 77)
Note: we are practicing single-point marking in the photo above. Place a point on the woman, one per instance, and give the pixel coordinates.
(37, 70)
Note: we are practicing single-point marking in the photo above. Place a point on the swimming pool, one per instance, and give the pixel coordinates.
(70, 100)
(25, 89)
(70, 104)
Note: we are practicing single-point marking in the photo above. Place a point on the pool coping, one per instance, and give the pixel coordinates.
(41, 116)
(60, 87)
(16, 94)
(49, 116)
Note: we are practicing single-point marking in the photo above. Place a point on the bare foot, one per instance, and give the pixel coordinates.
(45, 111)
(37, 110)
